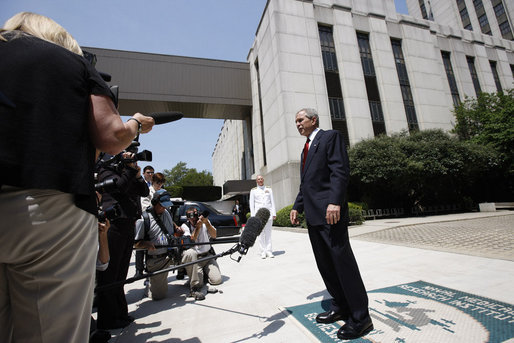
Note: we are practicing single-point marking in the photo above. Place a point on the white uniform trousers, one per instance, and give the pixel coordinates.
(265, 238)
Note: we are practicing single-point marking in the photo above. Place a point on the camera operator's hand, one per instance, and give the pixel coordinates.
(203, 220)
(146, 122)
(130, 156)
(178, 230)
(104, 227)
(103, 243)
(145, 245)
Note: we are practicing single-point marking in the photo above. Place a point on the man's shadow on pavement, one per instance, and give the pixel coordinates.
(177, 296)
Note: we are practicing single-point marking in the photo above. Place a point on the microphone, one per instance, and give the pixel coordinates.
(263, 214)
(165, 117)
(252, 230)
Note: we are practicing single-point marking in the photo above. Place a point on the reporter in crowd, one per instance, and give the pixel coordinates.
(149, 175)
(158, 181)
(157, 230)
(102, 262)
(55, 110)
(125, 198)
(201, 230)
(148, 172)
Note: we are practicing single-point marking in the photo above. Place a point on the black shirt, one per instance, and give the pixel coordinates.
(44, 137)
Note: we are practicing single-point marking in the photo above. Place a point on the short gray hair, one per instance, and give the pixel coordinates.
(310, 113)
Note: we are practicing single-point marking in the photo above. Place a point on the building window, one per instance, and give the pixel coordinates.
(474, 76)
(464, 16)
(328, 50)
(370, 79)
(478, 4)
(512, 70)
(499, 9)
(482, 17)
(403, 77)
(261, 116)
(423, 9)
(483, 20)
(505, 28)
(495, 76)
(451, 77)
(333, 82)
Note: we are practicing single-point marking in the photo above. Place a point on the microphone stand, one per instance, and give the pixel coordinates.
(178, 245)
(236, 248)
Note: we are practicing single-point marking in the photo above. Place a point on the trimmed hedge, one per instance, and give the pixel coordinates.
(282, 219)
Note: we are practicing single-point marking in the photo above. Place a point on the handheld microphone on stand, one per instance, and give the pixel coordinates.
(165, 117)
(252, 230)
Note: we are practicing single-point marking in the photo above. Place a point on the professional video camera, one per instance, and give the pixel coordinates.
(195, 214)
(110, 213)
(117, 163)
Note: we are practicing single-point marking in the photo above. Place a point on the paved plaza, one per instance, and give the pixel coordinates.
(468, 252)
(491, 237)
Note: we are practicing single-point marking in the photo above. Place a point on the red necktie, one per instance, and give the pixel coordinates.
(305, 151)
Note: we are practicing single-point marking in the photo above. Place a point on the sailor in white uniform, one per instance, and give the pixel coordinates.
(262, 196)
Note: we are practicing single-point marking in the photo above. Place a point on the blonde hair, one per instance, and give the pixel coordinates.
(41, 27)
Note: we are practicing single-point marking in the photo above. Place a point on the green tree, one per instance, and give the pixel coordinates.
(489, 120)
(180, 175)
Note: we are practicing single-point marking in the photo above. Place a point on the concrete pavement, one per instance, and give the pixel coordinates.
(249, 304)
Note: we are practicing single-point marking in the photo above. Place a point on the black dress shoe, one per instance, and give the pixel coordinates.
(348, 331)
(129, 318)
(100, 336)
(116, 324)
(329, 317)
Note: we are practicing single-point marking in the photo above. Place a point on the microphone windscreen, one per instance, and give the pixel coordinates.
(263, 214)
(251, 231)
(165, 117)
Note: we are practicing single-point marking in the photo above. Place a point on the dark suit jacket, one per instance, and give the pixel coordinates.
(324, 178)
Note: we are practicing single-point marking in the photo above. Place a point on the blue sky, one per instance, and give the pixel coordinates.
(215, 29)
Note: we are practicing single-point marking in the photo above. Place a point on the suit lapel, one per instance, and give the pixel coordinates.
(313, 148)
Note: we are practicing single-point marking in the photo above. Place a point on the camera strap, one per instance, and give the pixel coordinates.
(161, 225)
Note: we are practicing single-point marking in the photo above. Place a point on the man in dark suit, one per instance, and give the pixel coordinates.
(324, 178)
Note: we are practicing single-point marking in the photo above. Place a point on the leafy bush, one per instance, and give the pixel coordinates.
(422, 169)
(355, 214)
(282, 218)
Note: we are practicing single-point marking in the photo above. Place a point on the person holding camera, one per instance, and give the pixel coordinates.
(158, 181)
(124, 196)
(200, 230)
(154, 182)
(154, 232)
(55, 110)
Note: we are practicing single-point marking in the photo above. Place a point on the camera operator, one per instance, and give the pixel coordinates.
(129, 187)
(157, 231)
(149, 175)
(55, 110)
(200, 230)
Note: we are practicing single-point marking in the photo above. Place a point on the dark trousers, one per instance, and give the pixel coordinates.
(339, 270)
(112, 304)
(140, 261)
